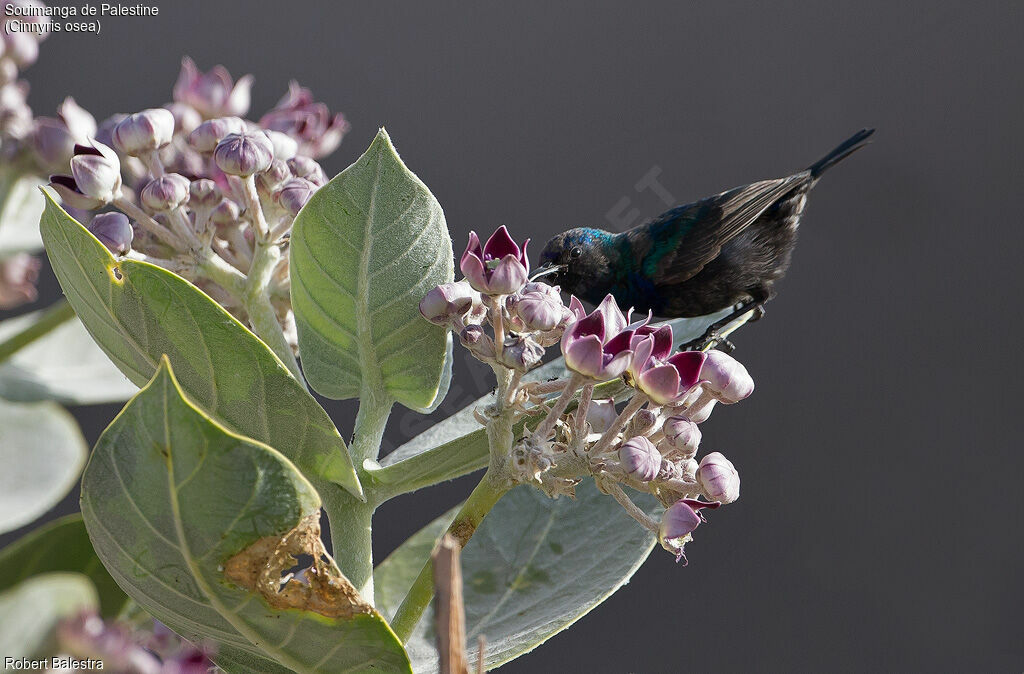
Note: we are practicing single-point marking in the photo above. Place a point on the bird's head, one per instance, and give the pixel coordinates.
(577, 260)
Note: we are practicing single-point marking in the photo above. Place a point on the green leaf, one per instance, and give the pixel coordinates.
(364, 251)
(534, 567)
(20, 208)
(42, 452)
(197, 524)
(65, 365)
(138, 312)
(60, 545)
(457, 445)
(30, 611)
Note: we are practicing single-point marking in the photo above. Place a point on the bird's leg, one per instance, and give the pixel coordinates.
(712, 337)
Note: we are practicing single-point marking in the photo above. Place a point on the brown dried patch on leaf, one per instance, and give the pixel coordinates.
(261, 568)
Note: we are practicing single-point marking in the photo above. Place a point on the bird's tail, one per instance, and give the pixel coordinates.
(845, 149)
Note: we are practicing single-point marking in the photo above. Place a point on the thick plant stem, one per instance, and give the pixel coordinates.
(473, 511)
(352, 520)
(53, 317)
(351, 541)
(371, 420)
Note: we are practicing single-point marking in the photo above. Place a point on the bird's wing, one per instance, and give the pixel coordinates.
(676, 246)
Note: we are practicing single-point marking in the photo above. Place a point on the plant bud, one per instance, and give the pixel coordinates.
(448, 301)
(682, 437)
(726, 377)
(294, 194)
(52, 143)
(204, 195)
(640, 459)
(539, 311)
(601, 414)
(305, 167)
(243, 154)
(677, 523)
(144, 131)
(718, 478)
(273, 178)
(204, 138)
(186, 118)
(95, 177)
(166, 193)
(669, 470)
(225, 214)
(478, 342)
(520, 353)
(642, 423)
(114, 231)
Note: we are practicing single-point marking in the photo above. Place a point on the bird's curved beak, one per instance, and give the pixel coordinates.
(545, 270)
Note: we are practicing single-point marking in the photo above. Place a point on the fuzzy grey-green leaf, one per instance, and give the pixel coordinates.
(186, 516)
(534, 567)
(364, 251)
(42, 452)
(145, 312)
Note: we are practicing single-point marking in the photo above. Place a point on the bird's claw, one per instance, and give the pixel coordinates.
(707, 341)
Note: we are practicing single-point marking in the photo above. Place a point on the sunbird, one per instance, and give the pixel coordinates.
(727, 250)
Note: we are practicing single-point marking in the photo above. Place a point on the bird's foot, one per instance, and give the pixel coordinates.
(709, 340)
(758, 313)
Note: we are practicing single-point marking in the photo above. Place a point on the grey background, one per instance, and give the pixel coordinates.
(880, 522)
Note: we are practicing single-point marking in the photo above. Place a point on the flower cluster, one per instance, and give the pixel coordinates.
(193, 186)
(85, 636)
(646, 437)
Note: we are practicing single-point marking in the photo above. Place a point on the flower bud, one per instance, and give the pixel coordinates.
(520, 353)
(204, 195)
(640, 459)
(225, 214)
(274, 177)
(601, 414)
(539, 310)
(677, 523)
(642, 423)
(186, 118)
(726, 377)
(243, 154)
(718, 478)
(114, 231)
(294, 194)
(144, 131)
(478, 342)
(52, 143)
(95, 178)
(204, 138)
(448, 301)
(669, 470)
(682, 437)
(166, 193)
(18, 276)
(285, 146)
(305, 167)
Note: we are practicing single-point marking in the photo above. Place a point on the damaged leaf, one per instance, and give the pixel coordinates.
(201, 526)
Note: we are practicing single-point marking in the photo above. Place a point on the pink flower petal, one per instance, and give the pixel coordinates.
(661, 383)
(585, 356)
(501, 244)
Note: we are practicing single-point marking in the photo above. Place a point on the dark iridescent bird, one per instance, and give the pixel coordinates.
(723, 251)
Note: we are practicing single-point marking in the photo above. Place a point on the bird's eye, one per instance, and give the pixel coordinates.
(575, 253)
